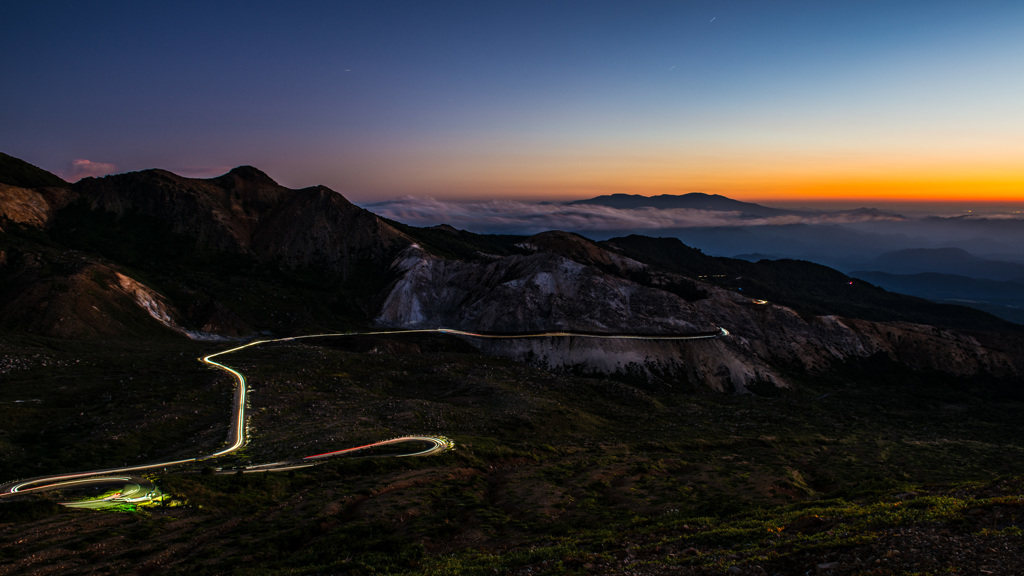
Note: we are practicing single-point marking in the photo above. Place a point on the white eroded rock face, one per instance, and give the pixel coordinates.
(545, 291)
(710, 363)
(156, 305)
(147, 299)
(23, 206)
(548, 292)
(527, 293)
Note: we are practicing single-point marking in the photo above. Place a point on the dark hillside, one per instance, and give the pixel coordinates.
(1002, 298)
(448, 242)
(804, 286)
(22, 174)
(231, 254)
(945, 261)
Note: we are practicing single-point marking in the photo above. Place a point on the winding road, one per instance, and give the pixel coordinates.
(135, 486)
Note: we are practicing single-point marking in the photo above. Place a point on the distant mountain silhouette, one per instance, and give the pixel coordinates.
(692, 201)
(1002, 298)
(945, 261)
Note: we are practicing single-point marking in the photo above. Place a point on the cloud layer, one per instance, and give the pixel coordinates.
(517, 217)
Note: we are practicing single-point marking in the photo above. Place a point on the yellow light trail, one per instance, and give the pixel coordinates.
(239, 424)
(236, 435)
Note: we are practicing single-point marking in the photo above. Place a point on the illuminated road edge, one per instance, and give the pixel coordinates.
(236, 433)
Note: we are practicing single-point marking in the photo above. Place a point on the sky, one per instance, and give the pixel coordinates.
(791, 101)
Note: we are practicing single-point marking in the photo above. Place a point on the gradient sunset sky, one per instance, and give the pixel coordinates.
(553, 100)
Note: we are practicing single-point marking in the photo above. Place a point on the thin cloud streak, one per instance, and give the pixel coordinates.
(81, 168)
(517, 217)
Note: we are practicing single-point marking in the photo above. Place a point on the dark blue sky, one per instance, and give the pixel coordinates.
(753, 99)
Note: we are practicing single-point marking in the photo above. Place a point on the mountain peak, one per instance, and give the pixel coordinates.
(692, 195)
(249, 174)
(691, 201)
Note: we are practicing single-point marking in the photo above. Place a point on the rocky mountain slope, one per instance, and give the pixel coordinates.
(155, 254)
(571, 283)
(216, 251)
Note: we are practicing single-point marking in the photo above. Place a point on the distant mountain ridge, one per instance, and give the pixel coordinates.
(1000, 297)
(954, 261)
(692, 201)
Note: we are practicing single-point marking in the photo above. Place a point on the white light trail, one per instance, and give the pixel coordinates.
(439, 444)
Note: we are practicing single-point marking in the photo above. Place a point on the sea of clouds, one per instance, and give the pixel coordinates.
(520, 217)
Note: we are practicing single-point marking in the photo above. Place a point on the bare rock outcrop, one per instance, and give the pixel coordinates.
(29, 206)
(543, 291)
(548, 291)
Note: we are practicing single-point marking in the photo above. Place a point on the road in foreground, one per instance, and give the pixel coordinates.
(236, 433)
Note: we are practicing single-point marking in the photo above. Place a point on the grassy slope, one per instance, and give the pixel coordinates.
(556, 473)
(68, 406)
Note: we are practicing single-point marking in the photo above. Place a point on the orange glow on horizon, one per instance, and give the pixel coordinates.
(879, 189)
(753, 179)
(753, 174)
(889, 172)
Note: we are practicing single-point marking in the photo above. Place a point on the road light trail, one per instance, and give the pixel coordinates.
(26, 485)
(238, 420)
(236, 429)
(134, 490)
(276, 468)
(438, 444)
